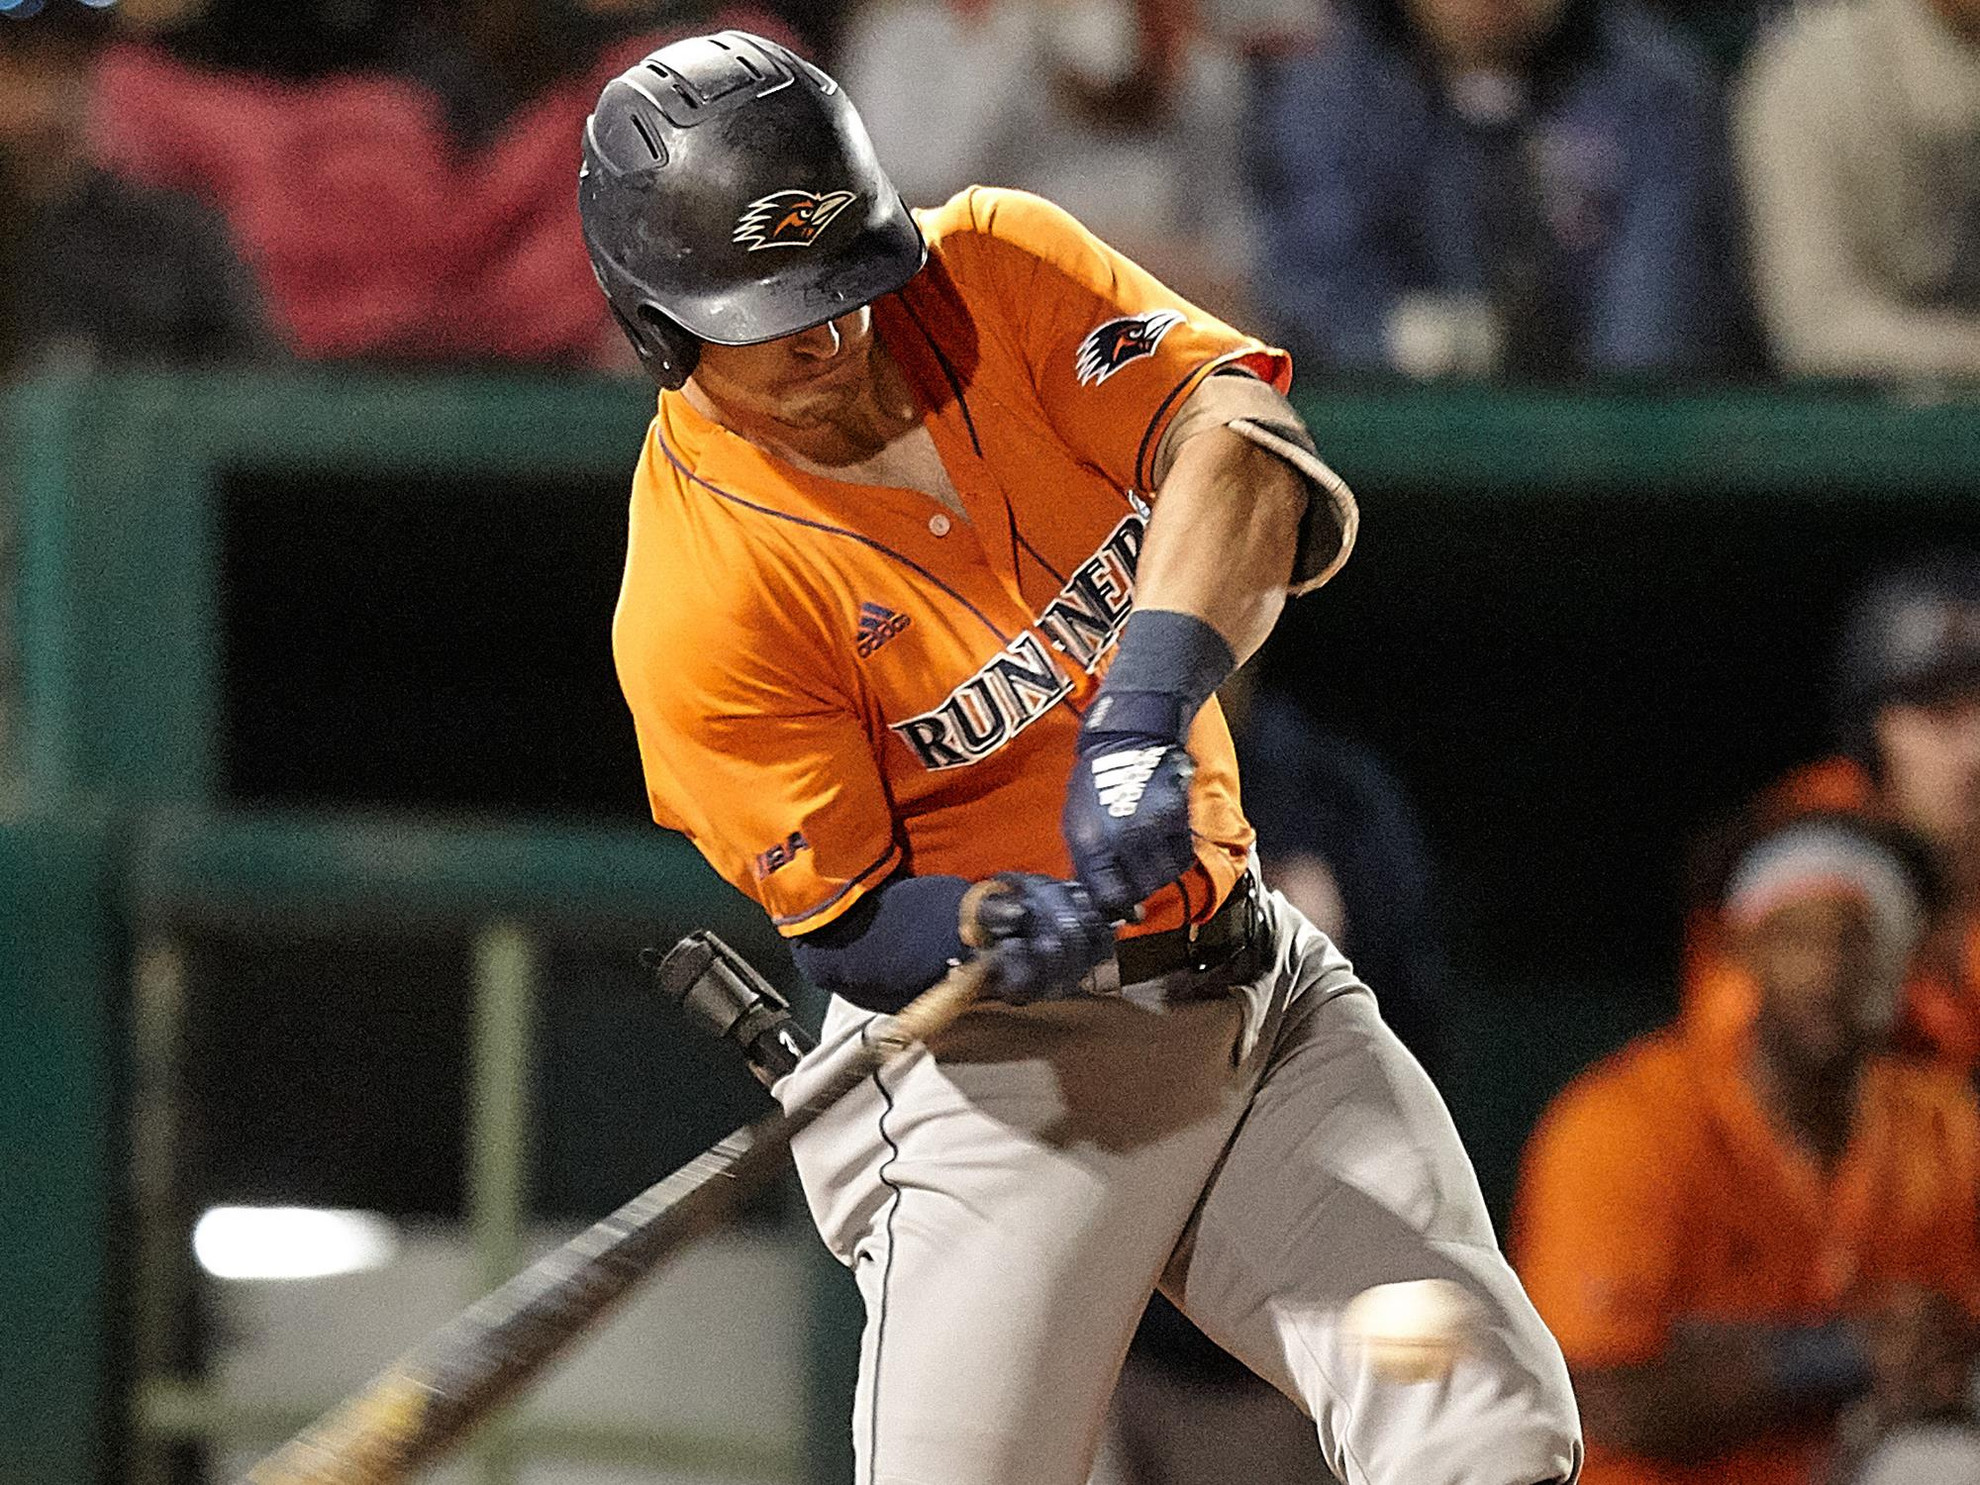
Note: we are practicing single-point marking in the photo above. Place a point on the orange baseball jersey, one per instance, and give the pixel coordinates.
(1657, 1187)
(831, 681)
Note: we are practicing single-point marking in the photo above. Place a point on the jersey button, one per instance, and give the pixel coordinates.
(939, 524)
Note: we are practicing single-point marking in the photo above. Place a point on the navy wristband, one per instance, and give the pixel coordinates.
(1166, 667)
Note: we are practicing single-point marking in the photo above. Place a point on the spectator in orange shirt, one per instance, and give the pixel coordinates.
(1720, 1221)
(1909, 699)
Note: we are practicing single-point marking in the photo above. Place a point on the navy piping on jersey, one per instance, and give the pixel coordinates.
(886, 1278)
(1037, 556)
(948, 371)
(881, 547)
(1147, 439)
(955, 385)
(1141, 454)
(844, 887)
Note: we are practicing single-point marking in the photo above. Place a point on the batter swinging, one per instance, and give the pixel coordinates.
(947, 527)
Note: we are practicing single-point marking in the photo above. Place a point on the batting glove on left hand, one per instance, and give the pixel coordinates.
(1043, 935)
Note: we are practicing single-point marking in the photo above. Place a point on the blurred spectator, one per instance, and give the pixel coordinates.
(1858, 130)
(1531, 188)
(1121, 111)
(1921, 1454)
(816, 23)
(406, 185)
(1260, 28)
(1339, 838)
(1736, 1231)
(1916, 1426)
(1908, 720)
(94, 269)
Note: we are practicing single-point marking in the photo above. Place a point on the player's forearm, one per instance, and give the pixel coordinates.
(1221, 541)
(1220, 554)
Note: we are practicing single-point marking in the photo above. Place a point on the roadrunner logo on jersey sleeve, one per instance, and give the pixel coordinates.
(1022, 681)
(788, 218)
(1112, 345)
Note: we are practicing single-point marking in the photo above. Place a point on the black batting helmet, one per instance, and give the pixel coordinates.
(1913, 636)
(729, 193)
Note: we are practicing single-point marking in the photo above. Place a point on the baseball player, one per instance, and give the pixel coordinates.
(947, 527)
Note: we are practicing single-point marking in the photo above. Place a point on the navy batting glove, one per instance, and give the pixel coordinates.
(1043, 934)
(1127, 816)
(1127, 810)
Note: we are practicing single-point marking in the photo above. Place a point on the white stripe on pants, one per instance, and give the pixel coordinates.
(1264, 1154)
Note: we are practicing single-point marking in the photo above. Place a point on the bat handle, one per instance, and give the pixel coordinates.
(936, 1008)
(932, 1011)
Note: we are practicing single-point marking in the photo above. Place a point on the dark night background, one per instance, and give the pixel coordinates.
(1570, 689)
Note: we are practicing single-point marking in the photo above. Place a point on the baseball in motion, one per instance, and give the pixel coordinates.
(1413, 1331)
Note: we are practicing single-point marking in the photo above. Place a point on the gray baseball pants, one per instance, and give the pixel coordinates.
(1263, 1153)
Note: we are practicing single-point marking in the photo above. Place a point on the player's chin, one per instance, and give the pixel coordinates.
(812, 404)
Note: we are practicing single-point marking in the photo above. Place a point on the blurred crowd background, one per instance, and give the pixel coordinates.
(1655, 824)
(1534, 190)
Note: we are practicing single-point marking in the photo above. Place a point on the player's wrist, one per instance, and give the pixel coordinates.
(1167, 665)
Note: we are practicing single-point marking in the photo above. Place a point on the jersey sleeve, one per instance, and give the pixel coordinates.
(1945, 1157)
(1597, 1227)
(773, 778)
(1111, 351)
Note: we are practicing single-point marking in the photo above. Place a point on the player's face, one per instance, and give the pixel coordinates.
(1826, 990)
(1931, 769)
(813, 379)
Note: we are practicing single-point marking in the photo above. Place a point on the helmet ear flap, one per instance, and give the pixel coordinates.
(666, 349)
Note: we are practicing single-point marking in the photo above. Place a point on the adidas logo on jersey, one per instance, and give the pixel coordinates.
(1120, 779)
(877, 625)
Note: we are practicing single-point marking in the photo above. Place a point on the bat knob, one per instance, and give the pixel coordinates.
(721, 992)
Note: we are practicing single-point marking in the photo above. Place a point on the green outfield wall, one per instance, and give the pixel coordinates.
(59, 1026)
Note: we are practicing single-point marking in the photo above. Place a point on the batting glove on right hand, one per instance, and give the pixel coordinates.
(1126, 819)
(1043, 935)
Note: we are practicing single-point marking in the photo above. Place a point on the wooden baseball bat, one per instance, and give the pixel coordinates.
(421, 1404)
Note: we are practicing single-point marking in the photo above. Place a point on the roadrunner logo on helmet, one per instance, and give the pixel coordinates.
(672, 152)
(788, 219)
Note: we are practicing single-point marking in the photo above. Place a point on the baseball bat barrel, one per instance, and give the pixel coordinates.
(425, 1401)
